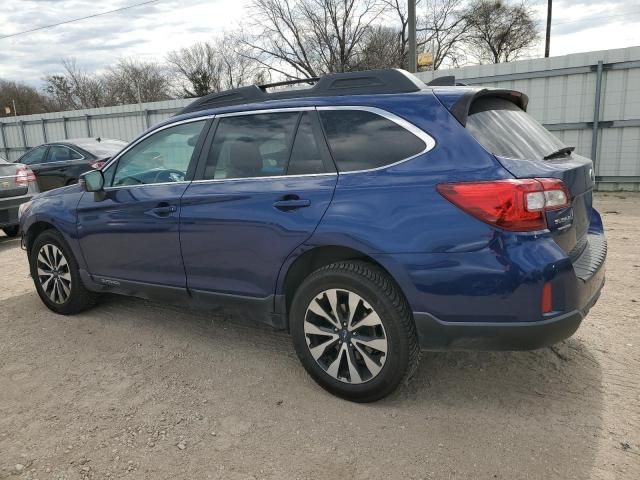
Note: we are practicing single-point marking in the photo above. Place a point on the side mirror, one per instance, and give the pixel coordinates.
(92, 181)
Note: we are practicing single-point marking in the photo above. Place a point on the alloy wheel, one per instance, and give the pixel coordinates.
(53, 273)
(345, 336)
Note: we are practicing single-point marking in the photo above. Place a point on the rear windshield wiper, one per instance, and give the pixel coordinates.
(561, 152)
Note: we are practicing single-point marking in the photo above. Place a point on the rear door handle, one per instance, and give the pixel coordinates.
(163, 210)
(291, 204)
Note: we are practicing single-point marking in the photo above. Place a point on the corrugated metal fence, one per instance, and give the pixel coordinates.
(590, 100)
(124, 122)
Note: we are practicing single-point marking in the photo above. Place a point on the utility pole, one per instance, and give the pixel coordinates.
(15, 114)
(413, 57)
(548, 39)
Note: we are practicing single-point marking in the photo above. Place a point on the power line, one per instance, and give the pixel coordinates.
(80, 18)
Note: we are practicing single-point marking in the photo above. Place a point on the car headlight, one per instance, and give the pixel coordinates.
(22, 209)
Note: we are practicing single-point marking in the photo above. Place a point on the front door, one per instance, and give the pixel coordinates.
(261, 191)
(131, 233)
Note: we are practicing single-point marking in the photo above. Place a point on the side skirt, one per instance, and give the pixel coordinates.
(255, 309)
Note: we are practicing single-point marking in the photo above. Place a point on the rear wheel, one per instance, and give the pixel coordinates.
(56, 275)
(353, 331)
(11, 231)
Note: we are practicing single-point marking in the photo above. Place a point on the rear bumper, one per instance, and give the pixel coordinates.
(435, 334)
(9, 209)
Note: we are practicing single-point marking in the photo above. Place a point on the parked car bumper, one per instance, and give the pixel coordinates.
(9, 209)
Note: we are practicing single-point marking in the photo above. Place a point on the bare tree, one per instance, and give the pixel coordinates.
(134, 81)
(75, 89)
(129, 81)
(306, 38)
(441, 28)
(447, 29)
(381, 48)
(197, 68)
(500, 32)
(212, 67)
(27, 99)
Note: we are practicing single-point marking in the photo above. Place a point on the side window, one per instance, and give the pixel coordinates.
(59, 153)
(162, 157)
(305, 156)
(34, 156)
(251, 146)
(361, 140)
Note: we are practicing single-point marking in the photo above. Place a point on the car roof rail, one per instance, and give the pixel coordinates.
(369, 82)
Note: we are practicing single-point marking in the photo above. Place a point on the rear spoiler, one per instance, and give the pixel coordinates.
(462, 103)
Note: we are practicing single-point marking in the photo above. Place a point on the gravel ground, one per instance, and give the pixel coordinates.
(140, 390)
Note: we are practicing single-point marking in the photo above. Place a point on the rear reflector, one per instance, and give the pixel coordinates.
(24, 175)
(547, 304)
(515, 205)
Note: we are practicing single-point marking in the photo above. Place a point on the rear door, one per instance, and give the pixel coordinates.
(521, 144)
(262, 189)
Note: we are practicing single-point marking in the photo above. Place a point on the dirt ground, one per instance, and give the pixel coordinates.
(140, 390)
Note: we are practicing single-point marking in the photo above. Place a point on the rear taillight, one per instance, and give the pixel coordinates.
(98, 164)
(516, 205)
(24, 176)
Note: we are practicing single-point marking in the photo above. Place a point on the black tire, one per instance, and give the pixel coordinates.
(374, 287)
(11, 231)
(79, 298)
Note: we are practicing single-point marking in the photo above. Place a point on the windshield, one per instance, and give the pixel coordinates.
(507, 131)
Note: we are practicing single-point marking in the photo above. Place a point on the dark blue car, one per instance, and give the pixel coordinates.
(370, 215)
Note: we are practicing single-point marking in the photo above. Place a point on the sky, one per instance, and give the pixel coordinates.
(149, 32)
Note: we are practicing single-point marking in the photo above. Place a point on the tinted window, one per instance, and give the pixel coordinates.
(251, 146)
(58, 153)
(505, 130)
(162, 157)
(305, 156)
(361, 140)
(34, 156)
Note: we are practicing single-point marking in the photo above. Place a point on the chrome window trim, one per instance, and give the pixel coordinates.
(428, 140)
(272, 177)
(119, 187)
(424, 136)
(148, 134)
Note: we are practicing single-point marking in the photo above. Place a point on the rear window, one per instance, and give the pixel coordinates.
(505, 130)
(361, 140)
(104, 148)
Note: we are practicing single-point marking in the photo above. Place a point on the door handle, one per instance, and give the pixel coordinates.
(291, 204)
(163, 210)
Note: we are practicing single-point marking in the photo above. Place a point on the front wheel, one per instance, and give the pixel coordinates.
(56, 275)
(353, 331)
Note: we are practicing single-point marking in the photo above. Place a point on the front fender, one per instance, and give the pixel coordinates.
(57, 209)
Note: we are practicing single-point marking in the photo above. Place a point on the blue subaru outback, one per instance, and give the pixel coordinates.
(370, 215)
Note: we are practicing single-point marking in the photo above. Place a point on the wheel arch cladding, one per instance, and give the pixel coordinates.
(315, 258)
(35, 230)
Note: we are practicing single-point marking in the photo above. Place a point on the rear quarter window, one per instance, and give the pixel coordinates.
(362, 140)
